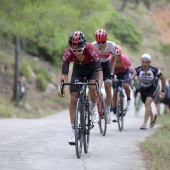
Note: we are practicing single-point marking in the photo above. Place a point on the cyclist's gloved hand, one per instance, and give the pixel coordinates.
(113, 77)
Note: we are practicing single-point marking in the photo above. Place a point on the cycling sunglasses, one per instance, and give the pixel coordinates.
(77, 50)
(101, 42)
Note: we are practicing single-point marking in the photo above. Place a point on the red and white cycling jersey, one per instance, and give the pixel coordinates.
(109, 51)
(126, 63)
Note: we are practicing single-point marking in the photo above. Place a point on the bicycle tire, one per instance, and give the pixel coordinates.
(87, 127)
(120, 111)
(78, 129)
(102, 118)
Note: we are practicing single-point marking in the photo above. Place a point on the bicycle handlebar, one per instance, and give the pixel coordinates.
(78, 84)
(122, 81)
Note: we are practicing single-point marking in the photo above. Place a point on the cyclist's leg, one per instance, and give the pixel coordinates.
(72, 105)
(107, 82)
(93, 99)
(108, 86)
(147, 96)
(127, 88)
(114, 103)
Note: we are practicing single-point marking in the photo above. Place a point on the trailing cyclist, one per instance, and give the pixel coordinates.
(148, 75)
(106, 50)
(86, 64)
(122, 69)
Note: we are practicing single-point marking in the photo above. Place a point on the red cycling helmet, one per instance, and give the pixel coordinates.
(100, 35)
(77, 40)
(118, 50)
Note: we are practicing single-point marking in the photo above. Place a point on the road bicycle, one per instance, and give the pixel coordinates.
(82, 116)
(102, 116)
(121, 103)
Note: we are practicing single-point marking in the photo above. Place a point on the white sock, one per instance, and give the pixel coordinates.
(92, 104)
(108, 107)
(72, 127)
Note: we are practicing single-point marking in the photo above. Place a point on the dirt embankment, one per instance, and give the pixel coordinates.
(161, 17)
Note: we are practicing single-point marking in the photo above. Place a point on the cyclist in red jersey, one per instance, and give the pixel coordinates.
(122, 69)
(106, 51)
(86, 64)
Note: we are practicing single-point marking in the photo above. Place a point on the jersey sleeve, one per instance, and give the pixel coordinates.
(137, 70)
(127, 63)
(66, 61)
(159, 73)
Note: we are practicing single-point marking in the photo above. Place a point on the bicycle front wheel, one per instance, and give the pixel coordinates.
(103, 117)
(78, 129)
(120, 111)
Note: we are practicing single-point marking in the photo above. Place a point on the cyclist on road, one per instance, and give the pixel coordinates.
(148, 75)
(122, 69)
(86, 64)
(106, 50)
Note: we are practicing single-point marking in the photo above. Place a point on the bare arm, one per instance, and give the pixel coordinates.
(133, 75)
(100, 79)
(113, 64)
(163, 85)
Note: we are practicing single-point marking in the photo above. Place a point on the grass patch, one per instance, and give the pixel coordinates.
(158, 145)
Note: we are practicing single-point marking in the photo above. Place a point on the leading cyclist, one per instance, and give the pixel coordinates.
(122, 69)
(106, 50)
(86, 64)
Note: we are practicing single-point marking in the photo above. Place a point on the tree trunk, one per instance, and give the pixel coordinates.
(123, 5)
(15, 89)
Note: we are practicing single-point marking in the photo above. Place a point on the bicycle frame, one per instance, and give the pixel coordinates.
(82, 116)
(121, 103)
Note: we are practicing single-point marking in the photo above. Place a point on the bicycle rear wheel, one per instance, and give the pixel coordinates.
(78, 129)
(87, 120)
(120, 111)
(103, 117)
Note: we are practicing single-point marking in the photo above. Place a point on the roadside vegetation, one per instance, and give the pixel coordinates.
(156, 148)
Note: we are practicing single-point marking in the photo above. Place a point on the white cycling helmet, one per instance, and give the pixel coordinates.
(146, 57)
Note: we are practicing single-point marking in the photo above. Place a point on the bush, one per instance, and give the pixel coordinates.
(23, 68)
(125, 30)
(41, 82)
(165, 48)
(45, 74)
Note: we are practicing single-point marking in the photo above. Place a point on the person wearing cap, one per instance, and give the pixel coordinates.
(148, 76)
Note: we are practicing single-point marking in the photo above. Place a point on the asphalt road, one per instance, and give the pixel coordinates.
(41, 144)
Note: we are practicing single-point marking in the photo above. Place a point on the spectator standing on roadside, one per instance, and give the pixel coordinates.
(147, 75)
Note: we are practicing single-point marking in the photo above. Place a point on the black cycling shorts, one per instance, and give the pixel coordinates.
(80, 72)
(106, 70)
(148, 92)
